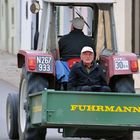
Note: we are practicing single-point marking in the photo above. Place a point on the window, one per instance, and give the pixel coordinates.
(105, 36)
(12, 16)
(2, 11)
(26, 10)
(136, 27)
(66, 14)
(12, 43)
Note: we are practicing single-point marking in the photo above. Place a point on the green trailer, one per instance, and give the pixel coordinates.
(86, 114)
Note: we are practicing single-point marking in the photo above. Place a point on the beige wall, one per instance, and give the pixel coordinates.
(3, 32)
(137, 79)
(123, 18)
(137, 24)
(9, 33)
(14, 34)
(123, 9)
(128, 25)
(120, 26)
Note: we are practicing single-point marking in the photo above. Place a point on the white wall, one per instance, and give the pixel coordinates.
(65, 17)
(12, 26)
(123, 15)
(18, 27)
(9, 33)
(3, 40)
(123, 18)
(25, 26)
(18, 35)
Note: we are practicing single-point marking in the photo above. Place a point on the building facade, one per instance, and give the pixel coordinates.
(9, 25)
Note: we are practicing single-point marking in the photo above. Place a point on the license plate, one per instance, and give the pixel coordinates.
(121, 64)
(44, 64)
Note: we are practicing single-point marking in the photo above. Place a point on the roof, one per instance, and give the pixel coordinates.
(81, 1)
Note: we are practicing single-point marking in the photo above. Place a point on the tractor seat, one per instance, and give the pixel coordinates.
(72, 61)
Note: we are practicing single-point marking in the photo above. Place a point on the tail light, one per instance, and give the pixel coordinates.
(32, 63)
(134, 65)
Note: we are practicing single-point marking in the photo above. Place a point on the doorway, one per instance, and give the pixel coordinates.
(136, 26)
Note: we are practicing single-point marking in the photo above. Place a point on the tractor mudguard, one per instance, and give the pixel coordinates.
(119, 64)
(36, 61)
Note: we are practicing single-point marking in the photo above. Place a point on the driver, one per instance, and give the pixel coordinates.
(71, 44)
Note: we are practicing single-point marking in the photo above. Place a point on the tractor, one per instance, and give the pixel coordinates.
(43, 101)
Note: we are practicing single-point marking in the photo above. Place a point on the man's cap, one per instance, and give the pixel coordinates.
(87, 49)
(78, 23)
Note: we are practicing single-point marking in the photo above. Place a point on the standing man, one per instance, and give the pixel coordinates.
(86, 75)
(71, 44)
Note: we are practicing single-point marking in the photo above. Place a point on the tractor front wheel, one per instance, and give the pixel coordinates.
(30, 83)
(124, 84)
(12, 115)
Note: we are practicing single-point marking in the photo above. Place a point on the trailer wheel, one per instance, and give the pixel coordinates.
(12, 116)
(124, 84)
(30, 83)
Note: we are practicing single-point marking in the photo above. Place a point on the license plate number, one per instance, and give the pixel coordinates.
(44, 64)
(121, 65)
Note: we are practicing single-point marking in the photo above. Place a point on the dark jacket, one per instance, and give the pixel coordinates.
(70, 45)
(79, 76)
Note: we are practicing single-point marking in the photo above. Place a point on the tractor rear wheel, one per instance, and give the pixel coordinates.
(12, 115)
(30, 83)
(124, 84)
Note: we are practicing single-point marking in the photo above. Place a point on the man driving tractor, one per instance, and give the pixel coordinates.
(71, 44)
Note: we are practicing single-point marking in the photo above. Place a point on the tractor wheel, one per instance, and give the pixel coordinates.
(30, 83)
(12, 116)
(124, 84)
